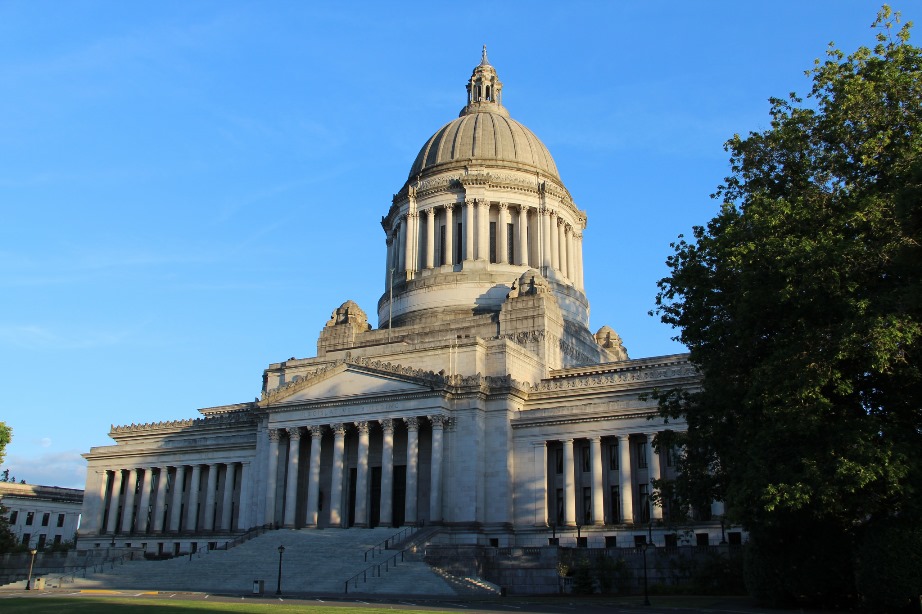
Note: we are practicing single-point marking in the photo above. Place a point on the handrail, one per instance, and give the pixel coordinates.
(376, 567)
(111, 562)
(393, 539)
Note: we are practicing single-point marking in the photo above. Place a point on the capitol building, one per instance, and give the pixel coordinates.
(481, 404)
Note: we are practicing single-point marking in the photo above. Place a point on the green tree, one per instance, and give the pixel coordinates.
(801, 303)
(6, 435)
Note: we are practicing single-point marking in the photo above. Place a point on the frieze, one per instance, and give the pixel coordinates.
(239, 417)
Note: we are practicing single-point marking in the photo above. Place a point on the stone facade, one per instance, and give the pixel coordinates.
(482, 403)
(41, 516)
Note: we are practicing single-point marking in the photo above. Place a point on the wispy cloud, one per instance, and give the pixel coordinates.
(67, 469)
(34, 337)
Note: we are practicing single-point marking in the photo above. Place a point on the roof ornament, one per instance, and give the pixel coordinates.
(483, 58)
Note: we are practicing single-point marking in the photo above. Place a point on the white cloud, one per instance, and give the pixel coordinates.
(67, 469)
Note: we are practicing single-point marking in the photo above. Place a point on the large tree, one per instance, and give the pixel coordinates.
(801, 303)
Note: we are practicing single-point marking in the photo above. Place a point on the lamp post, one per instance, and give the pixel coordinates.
(646, 594)
(278, 589)
(33, 552)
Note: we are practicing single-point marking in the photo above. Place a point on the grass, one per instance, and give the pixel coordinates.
(107, 605)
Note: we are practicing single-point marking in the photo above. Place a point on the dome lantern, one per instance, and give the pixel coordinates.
(484, 90)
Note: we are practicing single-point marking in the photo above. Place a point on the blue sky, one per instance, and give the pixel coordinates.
(187, 190)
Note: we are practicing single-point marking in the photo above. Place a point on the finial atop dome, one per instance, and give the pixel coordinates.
(484, 89)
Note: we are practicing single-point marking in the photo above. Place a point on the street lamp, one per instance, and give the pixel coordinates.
(646, 593)
(278, 590)
(33, 552)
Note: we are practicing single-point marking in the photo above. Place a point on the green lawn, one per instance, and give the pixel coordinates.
(106, 605)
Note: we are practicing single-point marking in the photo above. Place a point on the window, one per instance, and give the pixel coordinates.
(701, 539)
(615, 505)
(670, 457)
(587, 506)
(639, 540)
(60, 520)
(492, 242)
(510, 245)
(613, 457)
(442, 245)
(41, 542)
(559, 462)
(586, 458)
(642, 454)
(735, 538)
(560, 506)
(30, 516)
(458, 246)
(14, 516)
(643, 496)
(46, 517)
(26, 538)
(57, 539)
(672, 540)
(611, 541)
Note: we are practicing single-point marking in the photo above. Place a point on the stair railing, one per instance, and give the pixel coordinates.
(375, 570)
(71, 576)
(393, 539)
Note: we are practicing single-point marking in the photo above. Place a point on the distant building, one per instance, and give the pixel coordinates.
(481, 404)
(41, 516)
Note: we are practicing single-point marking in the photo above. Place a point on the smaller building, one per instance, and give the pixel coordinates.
(41, 516)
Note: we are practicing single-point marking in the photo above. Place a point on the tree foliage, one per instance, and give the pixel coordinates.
(801, 303)
(6, 435)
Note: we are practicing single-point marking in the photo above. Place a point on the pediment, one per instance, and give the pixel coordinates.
(351, 379)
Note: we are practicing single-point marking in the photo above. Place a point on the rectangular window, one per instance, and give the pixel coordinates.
(615, 505)
(559, 462)
(30, 517)
(560, 506)
(587, 506)
(642, 454)
(586, 459)
(57, 539)
(671, 539)
(493, 242)
(46, 518)
(459, 236)
(442, 245)
(510, 244)
(670, 457)
(701, 539)
(643, 497)
(611, 541)
(41, 542)
(613, 457)
(639, 540)
(60, 520)
(26, 538)
(14, 516)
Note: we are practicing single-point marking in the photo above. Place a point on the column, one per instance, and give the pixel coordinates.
(210, 489)
(412, 459)
(430, 237)
(163, 476)
(313, 481)
(483, 225)
(272, 478)
(387, 473)
(291, 487)
(541, 502)
(176, 505)
(521, 247)
(128, 502)
(143, 525)
(244, 513)
(401, 244)
(449, 235)
(361, 477)
(227, 501)
(192, 512)
(412, 243)
(435, 482)
(653, 467)
(545, 239)
(114, 497)
(626, 485)
(469, 228)
(595, 466)
(502, 248)
(571, 262)
(569, 484)
(562, 246)
(579, 261)
(336, 482)
(553, 239)
(102, 483)
(388, 262)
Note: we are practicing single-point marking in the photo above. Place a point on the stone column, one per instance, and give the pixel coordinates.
(244, 513)
(541, 490)
(143, 525)
(624, 479)
(313, 482)
(579, 261)
(595, 460)
(562, 245)
(502, 248)
(449, 235)
(555, 241)
(469, 205)
(176, 505)
(128, 502)
(569, 484)
(160, 498)
(194, 484)
(521, 248)
(483, 223)
(401, 246)
(102, 483)
(227, 501)
(435, 481)
(430, 237)
(571, 264)
(388, 262)
(210, 491)
(336, 481)
(291, 487)
(272, 478)
(653, 467)
(412, 256)
(412, 467)
(387, 473)
(361, 477)
(545, 240)
(114, 496)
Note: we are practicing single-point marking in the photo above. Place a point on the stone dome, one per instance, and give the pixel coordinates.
(484, 133)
